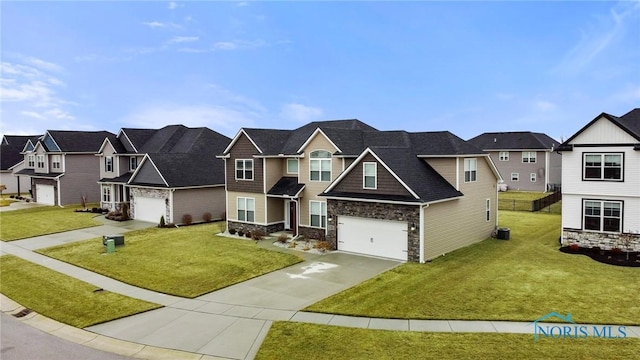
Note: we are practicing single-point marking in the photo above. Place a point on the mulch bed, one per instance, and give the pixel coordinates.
(618, 258)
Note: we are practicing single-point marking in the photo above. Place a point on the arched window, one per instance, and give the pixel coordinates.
(320, 165)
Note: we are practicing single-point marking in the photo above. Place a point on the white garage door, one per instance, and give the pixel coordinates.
(45, 194)
(373, 237)
(149, 209)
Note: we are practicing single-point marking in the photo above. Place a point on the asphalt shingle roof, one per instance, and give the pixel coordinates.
(11, 147)
(287, 186)
(515, 140)
(78, 141)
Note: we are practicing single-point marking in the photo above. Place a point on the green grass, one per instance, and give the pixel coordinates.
(288, 340)
(520, 279)
(188, 261)
(21, 224)
(521, 195)
(62, 298)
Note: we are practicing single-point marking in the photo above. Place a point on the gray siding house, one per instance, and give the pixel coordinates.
(527, 161)
(12, 161)
(62, 167)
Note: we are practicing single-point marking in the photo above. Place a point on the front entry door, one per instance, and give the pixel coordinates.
(291, 218)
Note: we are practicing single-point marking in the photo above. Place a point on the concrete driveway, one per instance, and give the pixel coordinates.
(232, 322)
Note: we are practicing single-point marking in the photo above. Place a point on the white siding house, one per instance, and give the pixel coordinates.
(601, 183)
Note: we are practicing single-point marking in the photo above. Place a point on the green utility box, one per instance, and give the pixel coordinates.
(111, 246)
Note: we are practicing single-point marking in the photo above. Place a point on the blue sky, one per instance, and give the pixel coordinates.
(467, 67)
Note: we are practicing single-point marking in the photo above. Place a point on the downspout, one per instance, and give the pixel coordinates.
(547, 158)
(458, 173)
(58, 192)
(226, 195)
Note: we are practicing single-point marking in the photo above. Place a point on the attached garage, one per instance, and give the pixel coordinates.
(149, 209)
(45, 194)
(374, 237)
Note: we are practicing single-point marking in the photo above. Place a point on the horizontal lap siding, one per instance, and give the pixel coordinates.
(232, 198)
(196, 202)
(457, 223)
(81, 176)
(515, 165)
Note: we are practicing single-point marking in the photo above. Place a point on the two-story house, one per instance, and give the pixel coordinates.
(527, 161)
(168, 172)
(601, 182)
(408, 196)
(62, 167)
(12, 161)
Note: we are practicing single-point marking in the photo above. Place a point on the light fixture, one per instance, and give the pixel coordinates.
(413, 227)
(166, 201)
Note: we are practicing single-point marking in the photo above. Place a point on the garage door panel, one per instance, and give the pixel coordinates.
(382, 238)
(45, 194)
(149, 209)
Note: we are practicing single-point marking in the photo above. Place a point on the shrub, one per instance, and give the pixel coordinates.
(257, 235)
(187, 219)
(27, 200)
(616, 251)
(232, 231)
(574, 247)
(248, 234)
(12, 196)
(161, 224)
(283, 238)
(323, 245)
(207, 217)
(170, 225)
(240, 232)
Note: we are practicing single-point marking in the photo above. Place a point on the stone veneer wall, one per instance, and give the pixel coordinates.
(268, 229)
(152, 193)
(604, 241)
(371, 210)
(312, 233)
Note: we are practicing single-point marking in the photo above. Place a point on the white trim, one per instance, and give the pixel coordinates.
(318, 130)
(135, 173)
(128, 140)
(330, 159)
(421, 232)
(457, 173)
(393, 201)
(326, 217)
(235, 170)
(375, 175)
(297, 163)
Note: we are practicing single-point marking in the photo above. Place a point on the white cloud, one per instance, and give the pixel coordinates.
(182, 39)
(543, 105)
(239, 44)
(172, 5)
(43, 65)
(242, 4)
(225, 45)
(33, 114)
(158, 24)
(300, 113)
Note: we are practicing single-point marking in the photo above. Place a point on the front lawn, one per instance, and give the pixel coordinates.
(520, 279)
(21, 224)
(521, 195)
(188, 261)
(288, 340)
(63, 298)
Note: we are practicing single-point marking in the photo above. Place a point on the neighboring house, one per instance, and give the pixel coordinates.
(395, 194)
(62, 167)
(527, 161)
(601, 182)
(12, 161)
(167, 172)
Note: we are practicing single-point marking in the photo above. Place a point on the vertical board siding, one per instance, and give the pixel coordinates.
(244, 149)
(603, 131)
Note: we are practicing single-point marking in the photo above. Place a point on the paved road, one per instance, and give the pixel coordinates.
(23, 342)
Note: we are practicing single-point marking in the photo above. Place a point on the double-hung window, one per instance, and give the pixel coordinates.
(40, 159)
(56, 162)
(470, 170)
(528, 156)
(244, 169)
(133, 163)
(320, 165)
(487, 209)
(603, 215)
(31, 161)
(515, 176)
(370, 175)
(318, 213)
(533, 177)
(246, 209)
(504, 156)
(603, 166)
(108, 163)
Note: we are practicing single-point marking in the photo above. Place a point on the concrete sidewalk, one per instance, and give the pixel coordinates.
(232, 322)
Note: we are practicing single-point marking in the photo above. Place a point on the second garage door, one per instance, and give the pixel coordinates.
(382, 238)
(45, 194)
(149, 209)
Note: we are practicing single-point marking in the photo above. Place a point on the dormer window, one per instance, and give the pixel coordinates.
(320, 165)
(370, 175)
